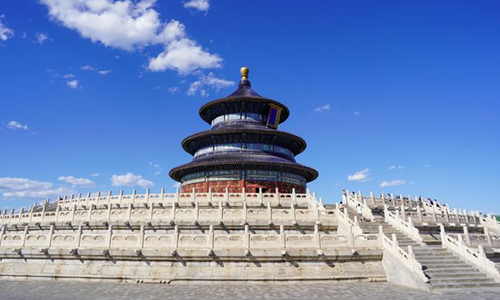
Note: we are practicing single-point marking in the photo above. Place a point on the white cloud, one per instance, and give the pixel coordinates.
(176, 185)
(73, 84)
(392, 183)
(41, 38)
(357, 113)
(208, 81)
(130, 179)
(77, 182)
(67, 76)
(26, 188)
(95, 174)
(359, 176)
(173, 89)
(104, 72)
(184, 56)
(201, 5)
(394, 167)
(90, 68)
(5, 32)
(14, 125)
(322, 108)
(133, 25)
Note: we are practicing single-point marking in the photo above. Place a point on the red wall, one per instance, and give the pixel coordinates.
(236, 186)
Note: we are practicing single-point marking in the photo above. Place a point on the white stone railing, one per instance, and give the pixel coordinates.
(405, 258)
(406, 227)
(475, 256)
(346, 224)
(491, 223)
(147, 239)
(353, 201)
(174, 212)
(201, 198)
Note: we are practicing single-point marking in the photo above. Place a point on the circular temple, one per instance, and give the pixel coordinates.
(244, 150)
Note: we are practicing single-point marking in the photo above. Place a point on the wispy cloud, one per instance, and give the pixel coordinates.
(91, 68)
(130, 180)
(394, 167)
(5, 32)
(133, 26)
(201, 5)
(77, 182)
(41, 38)
(361, 176)
(14, 125)
(392, 183)
(322, 108)
(209, 81)
(73, 84)
(95, 174)
(157, 168)
(357, 113)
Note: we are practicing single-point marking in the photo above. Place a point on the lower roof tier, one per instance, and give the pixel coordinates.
(235, 161)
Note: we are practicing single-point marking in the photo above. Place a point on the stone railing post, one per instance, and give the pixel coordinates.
(260, 196)
(140, 239)
(151, 210)
(227, 195)
(173, 212)
(247, 238)
(269, 212)
(129, 211)
(395, 242)
(2, 233)
(443, 235)
(419, 213)
(466, 235)
(211, 237)
(176, 237)
(79, 236)
(488, 236)
(120, 201)
(245, 212)
(110, 236)
(294, 196)
(293, 213)
(317, 236)
(244, 194)
(210, 196)
(51, 233)
(162, 192)
(221, 212)
(193, 195)
(282, 236)
(25, 233)
(134, 194)
(393, 201)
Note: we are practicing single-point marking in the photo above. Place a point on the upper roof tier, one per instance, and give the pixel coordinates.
(244, 99)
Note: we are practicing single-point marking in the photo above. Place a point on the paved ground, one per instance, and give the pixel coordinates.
(44, 290)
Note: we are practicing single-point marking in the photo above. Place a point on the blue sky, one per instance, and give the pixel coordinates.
(392, 96)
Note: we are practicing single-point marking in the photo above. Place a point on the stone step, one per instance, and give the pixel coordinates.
(442, 259)
(463, 280)
(449, 274)
(439, 266)
(453, 269)
(461, 285)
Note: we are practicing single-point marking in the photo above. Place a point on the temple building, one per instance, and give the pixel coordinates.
(244, 150)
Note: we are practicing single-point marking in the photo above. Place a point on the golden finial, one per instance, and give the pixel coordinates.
(244, 73)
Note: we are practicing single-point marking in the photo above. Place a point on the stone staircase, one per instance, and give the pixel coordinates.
(444, 268)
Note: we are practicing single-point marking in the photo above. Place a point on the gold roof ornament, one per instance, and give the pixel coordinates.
(244, 73)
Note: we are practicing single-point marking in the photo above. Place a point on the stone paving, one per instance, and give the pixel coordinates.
(47, 290)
